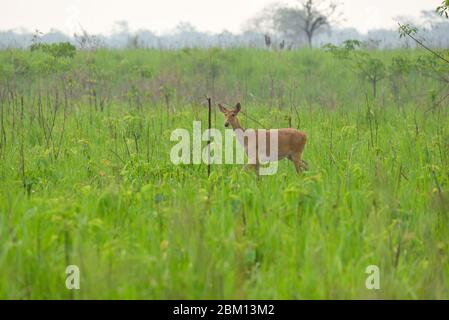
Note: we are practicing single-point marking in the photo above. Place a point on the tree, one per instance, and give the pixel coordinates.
(365, 64)
(315, 17)
(297, 23)
(309, 18)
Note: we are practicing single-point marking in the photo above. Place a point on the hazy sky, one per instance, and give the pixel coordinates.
(98, 16)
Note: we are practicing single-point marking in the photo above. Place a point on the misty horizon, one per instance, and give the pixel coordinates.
(78, 17)
(101, 17)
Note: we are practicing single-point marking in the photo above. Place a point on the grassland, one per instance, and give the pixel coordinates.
(86, 178)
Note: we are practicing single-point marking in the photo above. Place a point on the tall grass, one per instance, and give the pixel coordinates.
(92, 185)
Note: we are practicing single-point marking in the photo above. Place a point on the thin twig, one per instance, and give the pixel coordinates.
(251, 118)
(437, 103)
(209, 105)
(401, 26)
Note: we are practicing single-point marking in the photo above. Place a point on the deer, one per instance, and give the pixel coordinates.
(290, 141)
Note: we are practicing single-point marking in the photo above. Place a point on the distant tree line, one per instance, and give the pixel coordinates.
(312, 23)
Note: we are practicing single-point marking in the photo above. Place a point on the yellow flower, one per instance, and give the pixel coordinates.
(164, 244)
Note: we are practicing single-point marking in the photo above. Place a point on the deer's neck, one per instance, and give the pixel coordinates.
(236, 125)
(239, 132)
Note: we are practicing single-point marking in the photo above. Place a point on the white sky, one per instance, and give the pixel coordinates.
(98, 16)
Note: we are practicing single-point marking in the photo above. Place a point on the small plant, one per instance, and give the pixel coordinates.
(398, 71)
(363, 63)
(87, 41)
(167, 93)
(57, 50)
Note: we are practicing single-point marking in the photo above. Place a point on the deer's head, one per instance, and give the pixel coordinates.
(230, 115)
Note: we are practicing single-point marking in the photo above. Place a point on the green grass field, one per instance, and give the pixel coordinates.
(86, 179)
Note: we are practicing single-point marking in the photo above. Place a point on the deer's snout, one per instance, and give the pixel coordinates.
(226, 124)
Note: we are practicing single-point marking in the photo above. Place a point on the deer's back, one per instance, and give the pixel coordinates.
(290, 141)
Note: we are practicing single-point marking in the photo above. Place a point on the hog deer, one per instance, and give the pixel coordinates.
(290, 142)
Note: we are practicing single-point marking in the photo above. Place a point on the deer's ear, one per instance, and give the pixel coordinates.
(238, 107)
(222, 109)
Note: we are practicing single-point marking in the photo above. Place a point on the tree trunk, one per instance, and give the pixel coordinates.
(309, 39)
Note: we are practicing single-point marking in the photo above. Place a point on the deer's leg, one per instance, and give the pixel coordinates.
(296, 159)
(305, 165)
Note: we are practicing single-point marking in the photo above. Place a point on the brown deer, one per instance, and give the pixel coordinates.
(290, 142)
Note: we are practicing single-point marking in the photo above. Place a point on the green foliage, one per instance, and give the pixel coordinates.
(437, 64)
(57, 50)
(373, 69)
(364, 63)
(401, 65)
(443, 9)
(407, 30)
(433, 66)
(351, 44)
(98, 189)
(167, 91)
